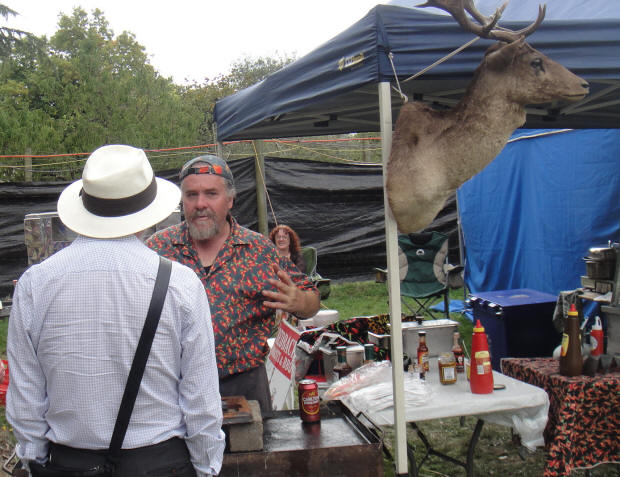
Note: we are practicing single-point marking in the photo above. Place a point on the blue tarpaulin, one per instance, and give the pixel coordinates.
(530, 216)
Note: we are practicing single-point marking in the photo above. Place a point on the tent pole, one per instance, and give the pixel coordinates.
(391, 240)
(459, 231)
(261, 187)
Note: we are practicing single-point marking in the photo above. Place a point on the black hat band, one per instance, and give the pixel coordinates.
(120, 207)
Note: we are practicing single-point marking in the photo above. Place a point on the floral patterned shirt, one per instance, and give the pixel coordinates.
(241, 323)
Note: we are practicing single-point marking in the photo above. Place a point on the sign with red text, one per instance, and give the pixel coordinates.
(280, 366)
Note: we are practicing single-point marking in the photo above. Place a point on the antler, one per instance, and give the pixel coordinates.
(486, 28)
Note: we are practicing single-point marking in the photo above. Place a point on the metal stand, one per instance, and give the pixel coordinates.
(468, 465)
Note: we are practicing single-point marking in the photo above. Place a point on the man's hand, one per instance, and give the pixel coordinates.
(288, 297)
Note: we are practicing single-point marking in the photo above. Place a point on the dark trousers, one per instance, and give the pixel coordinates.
(252, 384)
(168, 458)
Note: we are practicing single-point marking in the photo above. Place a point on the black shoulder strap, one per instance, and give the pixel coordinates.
(140, 358)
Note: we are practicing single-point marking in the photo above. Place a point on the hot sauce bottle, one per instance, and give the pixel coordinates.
(457, 351)
(422, 354)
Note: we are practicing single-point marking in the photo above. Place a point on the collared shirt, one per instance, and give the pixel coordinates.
(73, 331)
(234, 282)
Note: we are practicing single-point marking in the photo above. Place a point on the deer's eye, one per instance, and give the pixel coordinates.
(537, 63)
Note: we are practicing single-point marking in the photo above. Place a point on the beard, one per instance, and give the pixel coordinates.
(203, 231)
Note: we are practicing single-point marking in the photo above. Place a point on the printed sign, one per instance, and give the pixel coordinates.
(281, 366)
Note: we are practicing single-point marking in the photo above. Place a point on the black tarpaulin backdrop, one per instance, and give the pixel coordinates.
(337, 208)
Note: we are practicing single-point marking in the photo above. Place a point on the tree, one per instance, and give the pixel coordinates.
(101, 89)
(9, 36)
(244, 72)
(87, 87)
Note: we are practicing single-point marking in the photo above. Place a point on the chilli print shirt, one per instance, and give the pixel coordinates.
(241, 323)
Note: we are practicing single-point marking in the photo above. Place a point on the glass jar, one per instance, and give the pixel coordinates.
(447, 368)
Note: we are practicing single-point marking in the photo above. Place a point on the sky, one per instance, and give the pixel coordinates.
(190, 40)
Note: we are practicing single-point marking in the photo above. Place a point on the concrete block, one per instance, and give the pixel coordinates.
(248, 436)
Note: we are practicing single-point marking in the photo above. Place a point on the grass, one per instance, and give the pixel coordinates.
(369, 299)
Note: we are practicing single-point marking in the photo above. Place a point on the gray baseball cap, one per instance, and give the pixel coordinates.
(208, 164)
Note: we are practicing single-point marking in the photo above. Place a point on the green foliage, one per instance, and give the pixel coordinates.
(244, 72)
(10, 36)
(86, 86)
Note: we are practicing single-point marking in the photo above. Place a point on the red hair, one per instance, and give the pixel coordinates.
(295, 245)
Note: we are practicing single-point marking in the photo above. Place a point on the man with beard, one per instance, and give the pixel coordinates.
(245, 279)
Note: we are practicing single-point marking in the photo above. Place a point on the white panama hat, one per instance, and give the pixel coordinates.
(118, 195)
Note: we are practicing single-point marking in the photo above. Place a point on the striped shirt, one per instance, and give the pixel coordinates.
(73, 331)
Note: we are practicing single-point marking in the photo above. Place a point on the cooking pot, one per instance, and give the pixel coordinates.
(600, 269)
(602, 253)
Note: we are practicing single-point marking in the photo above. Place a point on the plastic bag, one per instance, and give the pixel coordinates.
(379, 396)
(367, 375)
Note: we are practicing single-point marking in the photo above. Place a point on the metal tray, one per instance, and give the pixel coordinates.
(340, 446)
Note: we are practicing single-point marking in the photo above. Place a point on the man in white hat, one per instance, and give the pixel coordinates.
(74, 327)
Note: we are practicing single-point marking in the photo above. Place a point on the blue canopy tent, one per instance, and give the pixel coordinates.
(333, 89)
(348, 85)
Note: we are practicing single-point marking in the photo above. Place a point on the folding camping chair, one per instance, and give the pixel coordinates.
(424, 271)
(323, 284)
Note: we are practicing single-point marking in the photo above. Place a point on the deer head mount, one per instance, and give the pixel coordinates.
(434, 152)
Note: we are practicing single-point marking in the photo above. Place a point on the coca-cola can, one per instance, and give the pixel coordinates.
(308, 392)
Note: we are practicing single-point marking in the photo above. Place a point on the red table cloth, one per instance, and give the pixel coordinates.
(584, 414)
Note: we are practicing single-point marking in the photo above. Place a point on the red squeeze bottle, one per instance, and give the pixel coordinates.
(481, 374)
(597, 334)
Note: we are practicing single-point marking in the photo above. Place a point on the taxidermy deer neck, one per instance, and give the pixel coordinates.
(434, 152)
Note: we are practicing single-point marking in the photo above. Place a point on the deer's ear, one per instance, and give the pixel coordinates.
(500, 55)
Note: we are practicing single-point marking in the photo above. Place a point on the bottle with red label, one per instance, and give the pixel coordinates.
(596, 337)
(481, 373)
(457, 351)
(423, 365)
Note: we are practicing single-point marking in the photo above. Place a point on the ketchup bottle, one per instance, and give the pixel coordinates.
(481, 374)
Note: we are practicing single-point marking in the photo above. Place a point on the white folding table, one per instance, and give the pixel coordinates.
(520, 405)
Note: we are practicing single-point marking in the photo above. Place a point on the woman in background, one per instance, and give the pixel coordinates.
(288, 245)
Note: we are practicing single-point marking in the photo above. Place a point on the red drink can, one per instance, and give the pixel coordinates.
(308, 391)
